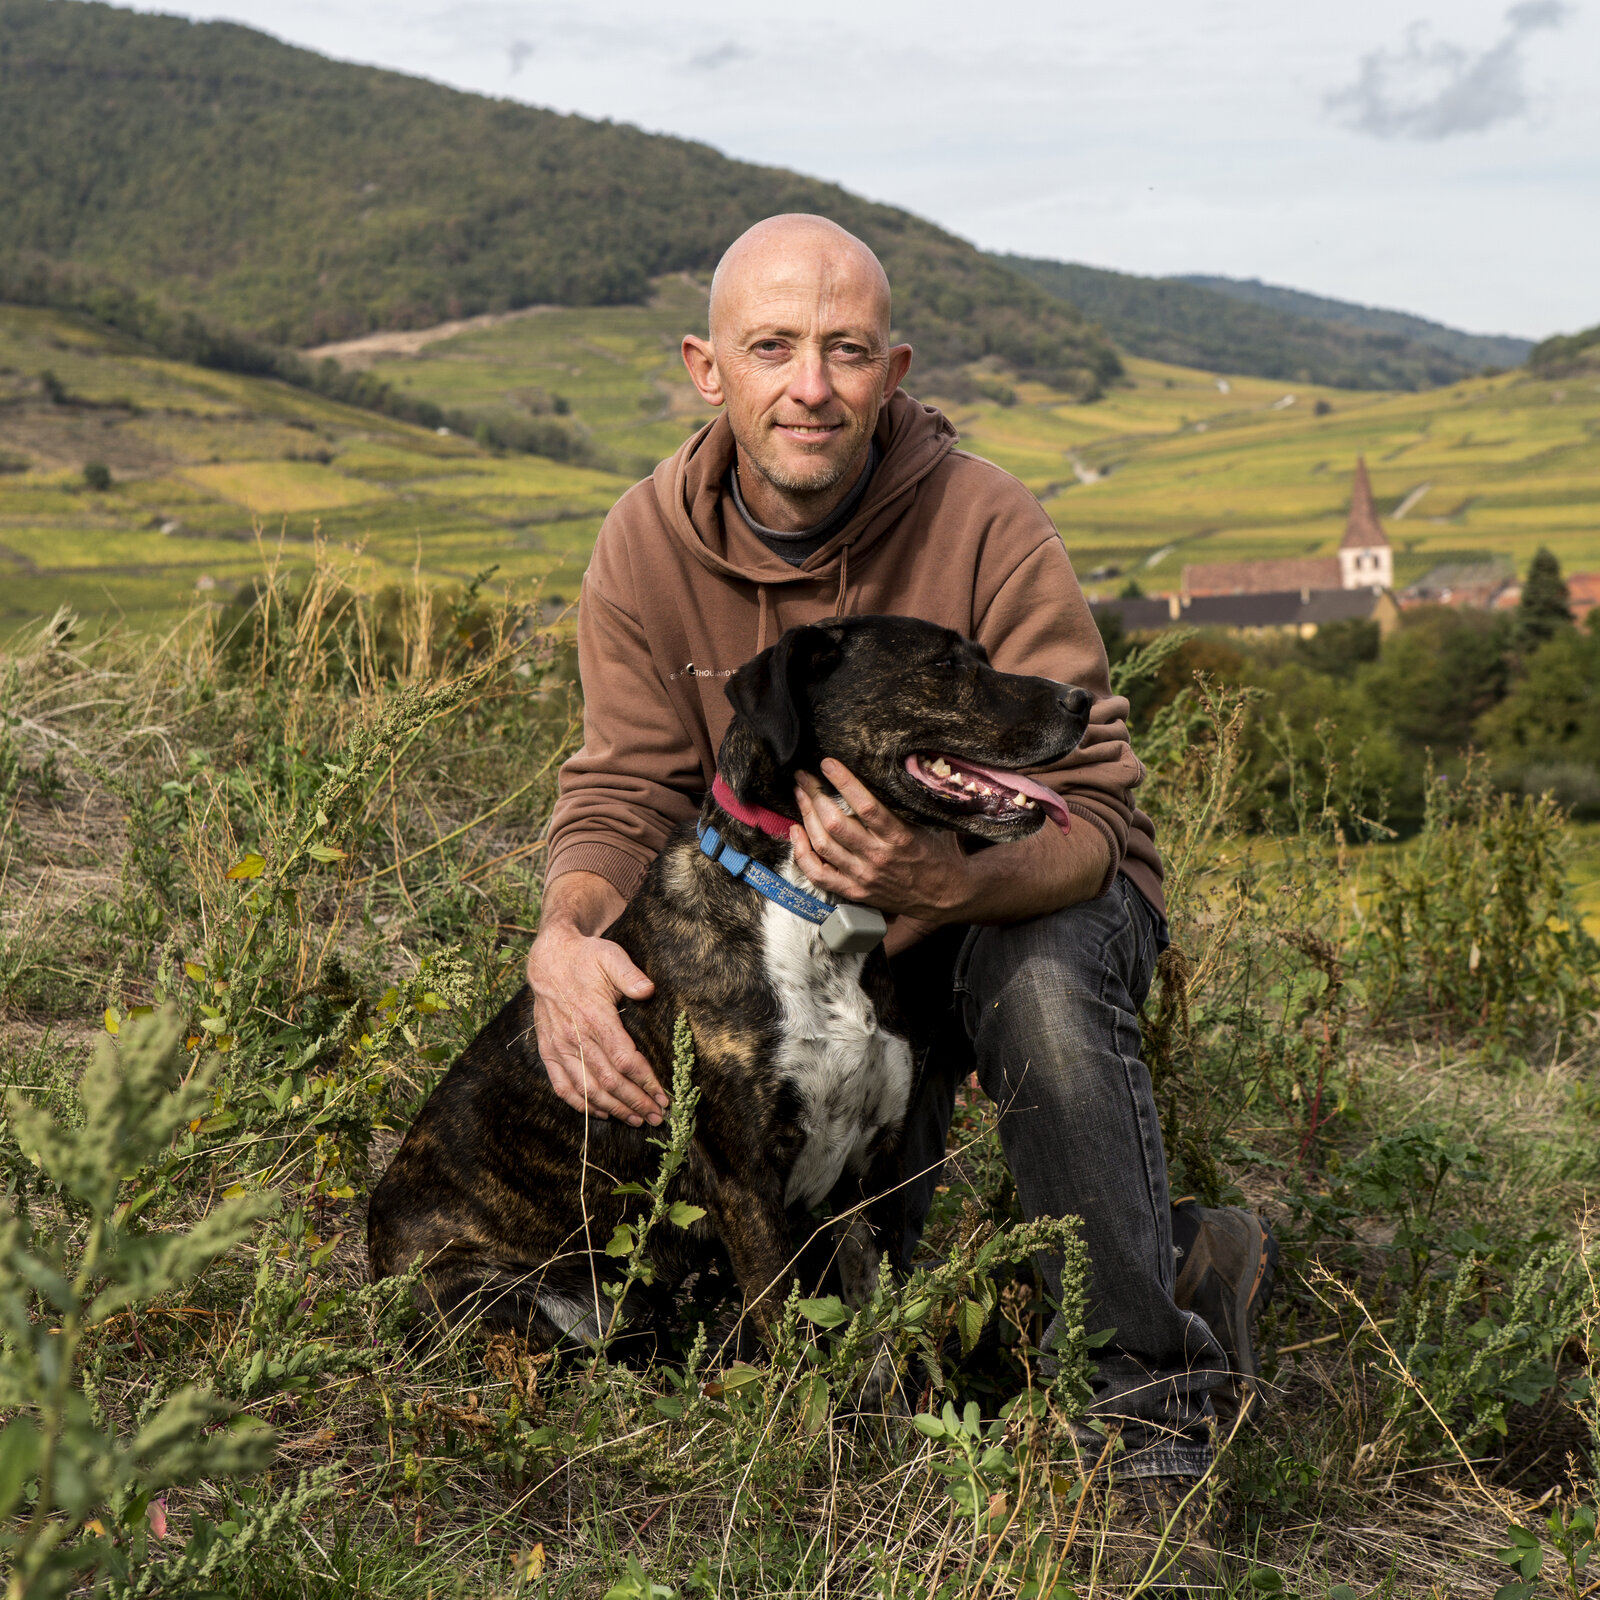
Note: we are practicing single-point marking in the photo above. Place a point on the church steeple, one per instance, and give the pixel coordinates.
(1366, 558)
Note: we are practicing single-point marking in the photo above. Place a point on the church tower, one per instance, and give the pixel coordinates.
(1366, 558)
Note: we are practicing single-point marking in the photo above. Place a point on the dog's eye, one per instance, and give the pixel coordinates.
(944, 662)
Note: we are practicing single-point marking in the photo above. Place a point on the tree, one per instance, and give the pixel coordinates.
(97, 476)
(1437, 675)
(1340, 647)
(1544, 606)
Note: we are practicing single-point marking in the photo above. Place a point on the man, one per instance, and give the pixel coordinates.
(822, 490)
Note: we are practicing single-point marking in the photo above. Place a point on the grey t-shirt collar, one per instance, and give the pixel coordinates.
(803, 543)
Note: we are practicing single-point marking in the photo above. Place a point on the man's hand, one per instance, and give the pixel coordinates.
(873, 856)
(577, 979)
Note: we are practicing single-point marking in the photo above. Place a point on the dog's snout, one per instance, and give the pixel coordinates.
(1076, 702)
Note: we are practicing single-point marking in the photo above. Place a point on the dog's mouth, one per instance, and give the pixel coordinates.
(987, 791)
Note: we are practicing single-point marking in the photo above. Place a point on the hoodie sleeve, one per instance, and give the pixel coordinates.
(631, 783)
(1037, 621)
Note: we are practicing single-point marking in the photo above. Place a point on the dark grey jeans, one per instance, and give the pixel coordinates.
(1046, 1013)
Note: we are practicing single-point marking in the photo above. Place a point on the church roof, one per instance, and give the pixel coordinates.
(1363, 531)
(1262, 577)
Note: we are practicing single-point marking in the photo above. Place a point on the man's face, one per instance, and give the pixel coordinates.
(800, 356)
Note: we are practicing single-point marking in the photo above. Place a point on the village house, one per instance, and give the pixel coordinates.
(1487, 585)
(1493, 585)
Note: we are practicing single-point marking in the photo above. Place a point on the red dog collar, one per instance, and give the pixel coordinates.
(769, 822)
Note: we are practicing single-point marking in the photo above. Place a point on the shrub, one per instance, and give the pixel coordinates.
(97, 476)
(1474, 923)
(63, 1456)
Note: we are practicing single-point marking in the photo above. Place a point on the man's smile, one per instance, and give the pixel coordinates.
(808, 432)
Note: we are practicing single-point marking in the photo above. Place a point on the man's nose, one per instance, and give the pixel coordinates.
(810, 385)
(1076, 702)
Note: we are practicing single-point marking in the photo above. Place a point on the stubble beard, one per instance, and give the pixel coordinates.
(827, 474)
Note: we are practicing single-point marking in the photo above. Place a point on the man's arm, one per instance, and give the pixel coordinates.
(924, 877)
(621, 796)
(577, 978)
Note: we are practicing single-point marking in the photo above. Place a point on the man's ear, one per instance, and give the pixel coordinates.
(768, 693)
(700, 357)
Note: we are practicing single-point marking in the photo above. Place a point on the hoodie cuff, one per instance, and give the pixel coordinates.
(623, 871)
(1114, 845)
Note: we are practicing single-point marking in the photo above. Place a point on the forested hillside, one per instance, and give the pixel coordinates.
(1567, 352)
(1170, 319)
(1477, 349)
(305, 199)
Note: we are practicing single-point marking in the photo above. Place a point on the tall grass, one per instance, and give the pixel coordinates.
(275, 872)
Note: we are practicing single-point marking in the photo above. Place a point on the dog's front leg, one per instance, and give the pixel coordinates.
(870, 1218)
(756, 1235)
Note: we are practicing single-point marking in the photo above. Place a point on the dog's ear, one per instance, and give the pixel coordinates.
(768, 695)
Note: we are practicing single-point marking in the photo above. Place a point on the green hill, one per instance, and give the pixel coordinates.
(1567, 353)
(1477, 349)
(305, 199)
(1172, 466)
(1170, 319)
(201, 466)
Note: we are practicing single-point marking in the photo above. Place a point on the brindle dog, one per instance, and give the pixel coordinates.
(509, 1196)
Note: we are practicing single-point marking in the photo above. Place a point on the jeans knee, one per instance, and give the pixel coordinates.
(1047, 1040)
(1082, 957)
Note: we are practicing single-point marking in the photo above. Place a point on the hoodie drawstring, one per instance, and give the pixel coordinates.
(761, 620)
(844, 578)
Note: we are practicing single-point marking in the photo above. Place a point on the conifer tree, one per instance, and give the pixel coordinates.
(1543, 609)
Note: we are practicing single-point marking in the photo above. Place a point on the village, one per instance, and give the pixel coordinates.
(1298, 595)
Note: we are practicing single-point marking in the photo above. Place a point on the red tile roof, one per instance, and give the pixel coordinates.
(1263, 577)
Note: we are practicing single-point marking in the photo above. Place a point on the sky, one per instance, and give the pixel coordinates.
(1436, 156)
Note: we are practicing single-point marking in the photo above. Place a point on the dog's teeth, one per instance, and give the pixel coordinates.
(1022, 800)
(940, 768)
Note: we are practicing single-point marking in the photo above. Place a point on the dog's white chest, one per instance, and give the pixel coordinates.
(853, 1078)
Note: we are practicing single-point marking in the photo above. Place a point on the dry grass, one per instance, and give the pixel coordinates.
(146, 769)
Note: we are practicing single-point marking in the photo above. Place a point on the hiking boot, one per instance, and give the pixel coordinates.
(1161, 1536)
(1227, 1261)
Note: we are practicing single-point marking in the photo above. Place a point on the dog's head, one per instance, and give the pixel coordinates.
(915, 711)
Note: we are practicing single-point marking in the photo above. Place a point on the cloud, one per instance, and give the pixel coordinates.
(1433, 89)
(723, 55)
(519, 50)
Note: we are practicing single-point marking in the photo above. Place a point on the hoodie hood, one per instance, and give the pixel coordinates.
(691, 490)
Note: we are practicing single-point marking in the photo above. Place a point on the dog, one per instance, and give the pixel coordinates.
(509, 1196)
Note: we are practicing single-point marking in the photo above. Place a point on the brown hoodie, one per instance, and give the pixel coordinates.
(680, 593)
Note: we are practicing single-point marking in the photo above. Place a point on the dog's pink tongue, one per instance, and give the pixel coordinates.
(1015, 783)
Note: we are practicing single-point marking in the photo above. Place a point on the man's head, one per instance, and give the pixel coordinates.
(799, 353)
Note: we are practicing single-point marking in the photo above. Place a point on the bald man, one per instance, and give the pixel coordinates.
(823, 490)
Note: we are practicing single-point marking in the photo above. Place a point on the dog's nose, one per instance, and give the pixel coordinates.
(1076, 702)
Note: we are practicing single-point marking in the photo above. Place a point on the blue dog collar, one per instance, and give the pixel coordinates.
(846, 929)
